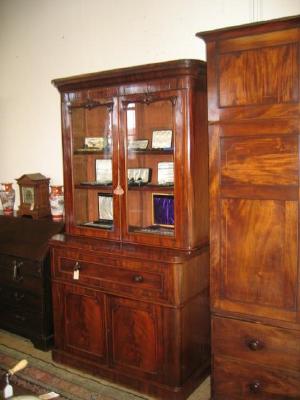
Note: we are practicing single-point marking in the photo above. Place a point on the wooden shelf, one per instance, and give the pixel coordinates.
(152, 230)
(92, 152)
(151, 188)
(93, 186)
(151, 152)
(147, 188)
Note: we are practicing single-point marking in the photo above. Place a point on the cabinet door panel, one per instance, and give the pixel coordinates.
(259, 253)
(260, 161)
(269, 67)
(84, 322)
(136, 335)
(254, 222)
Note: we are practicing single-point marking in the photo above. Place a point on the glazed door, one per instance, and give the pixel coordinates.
(153, 136)
(79, 321)
(136, 337)
(91, 167)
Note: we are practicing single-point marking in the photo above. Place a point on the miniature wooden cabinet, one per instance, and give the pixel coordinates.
(253, 98)
(34, 196)
(130, 276)
(25, 285)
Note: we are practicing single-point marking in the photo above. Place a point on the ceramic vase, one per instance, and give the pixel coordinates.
(7, 196)
(56, 202)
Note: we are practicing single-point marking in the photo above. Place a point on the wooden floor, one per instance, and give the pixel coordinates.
(25, 346)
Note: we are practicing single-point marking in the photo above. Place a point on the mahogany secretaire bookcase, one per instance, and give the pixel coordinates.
(130, 276)
(254, 125)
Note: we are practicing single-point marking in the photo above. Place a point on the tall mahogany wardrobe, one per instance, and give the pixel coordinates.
(254, 111)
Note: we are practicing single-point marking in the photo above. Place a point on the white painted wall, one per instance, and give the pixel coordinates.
(45, 39)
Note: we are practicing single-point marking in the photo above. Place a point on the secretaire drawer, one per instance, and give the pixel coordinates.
(18, 298)
(260, 344)
(237, 380)
(20, 273)
(21, 320)
(128, 276)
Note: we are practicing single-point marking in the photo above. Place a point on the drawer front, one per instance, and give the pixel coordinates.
(20, 273)
(260, 344)
(237, 380)
(16, 298)
(21, 320)
(142, 279)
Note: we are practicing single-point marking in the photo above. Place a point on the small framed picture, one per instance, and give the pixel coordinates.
(165, 173)
(105, 204)
(104, 171)
(138, 176)
(97, 143)
(163, 209)
(162, 139)
(140, 144)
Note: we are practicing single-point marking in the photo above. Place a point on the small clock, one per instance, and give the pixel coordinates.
(34, 195)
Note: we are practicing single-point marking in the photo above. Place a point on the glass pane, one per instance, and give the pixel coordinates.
(150, 168)
(92, 163)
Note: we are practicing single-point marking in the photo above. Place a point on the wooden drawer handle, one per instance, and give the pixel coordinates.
(255, 344)
(255, 387)
(19, 296)
(137, 278)
(20, 317)
(17, 276)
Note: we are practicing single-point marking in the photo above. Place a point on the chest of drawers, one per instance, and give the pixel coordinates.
(25, 286)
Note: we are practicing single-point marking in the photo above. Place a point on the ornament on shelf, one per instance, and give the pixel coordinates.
(7, 196)
(56, 202)
(34, 195)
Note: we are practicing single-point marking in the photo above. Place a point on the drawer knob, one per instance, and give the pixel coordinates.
(255, 344)
(137, 278)
(255, 387)
(20, 317)
(18, 296)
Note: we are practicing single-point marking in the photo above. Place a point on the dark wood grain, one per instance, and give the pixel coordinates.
(25, 286)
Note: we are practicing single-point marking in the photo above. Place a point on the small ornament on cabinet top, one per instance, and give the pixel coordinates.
(34, 195)
(56, 202)
(7, 196)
